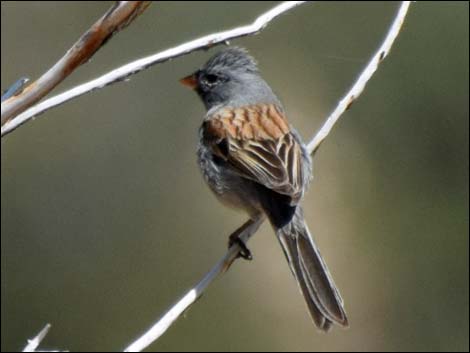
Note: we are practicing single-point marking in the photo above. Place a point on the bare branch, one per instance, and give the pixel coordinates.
(250, 227)
(244, 232)
(121, 73)
(34, 343)
(120, 15)
(358, 87)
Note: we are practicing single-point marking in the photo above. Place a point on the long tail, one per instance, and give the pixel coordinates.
(323, 299)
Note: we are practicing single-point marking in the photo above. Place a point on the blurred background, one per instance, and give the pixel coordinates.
(106, 221)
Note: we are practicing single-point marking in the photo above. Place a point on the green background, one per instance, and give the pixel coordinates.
(106, 221)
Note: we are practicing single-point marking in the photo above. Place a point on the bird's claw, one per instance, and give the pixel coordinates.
(244, 253)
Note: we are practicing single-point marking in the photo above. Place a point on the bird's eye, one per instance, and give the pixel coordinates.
(211, 79)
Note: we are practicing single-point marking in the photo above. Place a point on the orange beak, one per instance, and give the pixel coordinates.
(189, 81)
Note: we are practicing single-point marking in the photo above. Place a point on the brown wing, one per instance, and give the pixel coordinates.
(257, 142)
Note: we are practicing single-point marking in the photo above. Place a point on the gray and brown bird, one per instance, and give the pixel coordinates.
(252, 159)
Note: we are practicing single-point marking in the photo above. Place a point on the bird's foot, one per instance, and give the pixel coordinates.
(244, 253)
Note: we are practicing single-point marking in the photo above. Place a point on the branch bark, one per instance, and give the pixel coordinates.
(119, 16)
(358, 87)
(34, 343)
(244, 232)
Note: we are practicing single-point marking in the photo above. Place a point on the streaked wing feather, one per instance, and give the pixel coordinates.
(258, 164)
(274, 164)
(261, 147)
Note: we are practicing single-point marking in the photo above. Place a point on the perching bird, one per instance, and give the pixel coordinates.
(252, 158)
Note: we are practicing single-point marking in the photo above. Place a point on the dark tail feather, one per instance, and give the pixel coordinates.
(323, 299)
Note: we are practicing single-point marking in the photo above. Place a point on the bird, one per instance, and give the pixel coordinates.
(254, 160)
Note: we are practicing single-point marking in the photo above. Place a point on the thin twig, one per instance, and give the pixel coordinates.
(121, 73)
(358, 87)
(183, 304)
(244, 232)
(119, 16)
(34, 343)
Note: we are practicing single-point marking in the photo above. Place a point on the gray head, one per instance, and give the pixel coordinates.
(230, 78)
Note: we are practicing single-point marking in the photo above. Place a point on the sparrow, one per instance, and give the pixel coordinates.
(254, 160)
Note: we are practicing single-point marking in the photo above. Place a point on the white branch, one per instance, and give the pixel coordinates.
(34, 343)
(356, 90)
(121, 73)
(244, 232)
(191, 296)
(118, 17)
